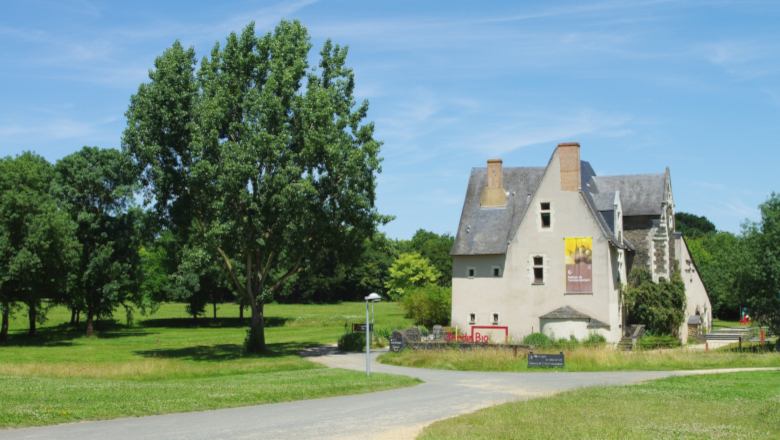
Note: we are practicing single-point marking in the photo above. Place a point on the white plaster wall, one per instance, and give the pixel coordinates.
(512, 294)
(564, 328)
(695, 292)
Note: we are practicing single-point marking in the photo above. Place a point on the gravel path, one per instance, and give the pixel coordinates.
(395, 414)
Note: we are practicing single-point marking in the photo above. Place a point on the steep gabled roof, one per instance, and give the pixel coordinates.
(487, 231)
(641, 194)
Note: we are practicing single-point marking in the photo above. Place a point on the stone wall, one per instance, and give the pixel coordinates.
(639, 231)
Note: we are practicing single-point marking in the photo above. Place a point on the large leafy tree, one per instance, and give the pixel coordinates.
(258, 160)
(436, 249)
(763, 241)
(409, 271)
(38, 247)
(97, 189)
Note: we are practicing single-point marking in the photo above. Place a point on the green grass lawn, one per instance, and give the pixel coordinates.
(720, 406)
(589, 359)
(721, 324)
(166, 363)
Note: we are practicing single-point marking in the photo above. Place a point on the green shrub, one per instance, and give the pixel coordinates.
(352, 341)
(537, 339)
(594, 338)
(661, 341)
(428, 306)
(660, 306)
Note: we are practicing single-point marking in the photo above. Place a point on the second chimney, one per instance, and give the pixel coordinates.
(569, 156)
(494, 195)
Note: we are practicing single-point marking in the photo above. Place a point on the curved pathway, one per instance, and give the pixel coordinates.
(394, 414)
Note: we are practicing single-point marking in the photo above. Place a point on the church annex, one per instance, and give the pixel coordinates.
(543, 249)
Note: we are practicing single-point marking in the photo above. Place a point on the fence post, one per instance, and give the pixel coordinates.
(706, 346)
(762, 336)
(740, 342)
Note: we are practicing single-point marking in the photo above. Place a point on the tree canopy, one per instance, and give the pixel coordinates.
(693, 225)
(258, 160)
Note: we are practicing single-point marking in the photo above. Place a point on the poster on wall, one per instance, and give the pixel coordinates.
(579, 265)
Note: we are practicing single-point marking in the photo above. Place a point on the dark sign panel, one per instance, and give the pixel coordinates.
(545, 360)
(397, 342)
(361, 327)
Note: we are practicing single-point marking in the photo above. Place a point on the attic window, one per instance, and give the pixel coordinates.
(545, 212)
(496, 271)
(471, 271)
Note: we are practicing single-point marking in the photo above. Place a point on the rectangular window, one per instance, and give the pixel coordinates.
(472, 272)
(545, 213)
(538, 270)
(496, 271)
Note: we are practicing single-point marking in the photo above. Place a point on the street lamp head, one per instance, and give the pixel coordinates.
(374, 297)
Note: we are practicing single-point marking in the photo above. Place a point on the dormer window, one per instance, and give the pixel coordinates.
(544, 209)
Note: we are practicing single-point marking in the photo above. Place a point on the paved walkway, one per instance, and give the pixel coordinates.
(395, 414)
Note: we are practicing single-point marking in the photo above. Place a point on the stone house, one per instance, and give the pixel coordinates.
(544, 248)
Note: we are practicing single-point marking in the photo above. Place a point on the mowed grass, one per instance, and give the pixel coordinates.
(718, 324)
(587, 359)
(717, 406)
(167, 363)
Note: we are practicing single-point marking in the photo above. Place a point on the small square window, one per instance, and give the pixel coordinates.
(538, 261)
(538, 275)
(496, 271)
(545, 219)
(472, 272)
(472, 318)
(495, 318)
(546, 206)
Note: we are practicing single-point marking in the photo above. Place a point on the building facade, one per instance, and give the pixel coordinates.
(545, 248)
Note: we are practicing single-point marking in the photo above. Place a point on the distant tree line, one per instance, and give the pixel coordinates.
(739, 270)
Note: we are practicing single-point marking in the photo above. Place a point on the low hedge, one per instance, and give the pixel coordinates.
(662, 341)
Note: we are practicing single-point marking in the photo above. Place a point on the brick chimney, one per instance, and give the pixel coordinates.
(569, 155)
(494, 195)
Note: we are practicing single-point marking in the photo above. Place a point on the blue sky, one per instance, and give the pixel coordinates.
(641, 85)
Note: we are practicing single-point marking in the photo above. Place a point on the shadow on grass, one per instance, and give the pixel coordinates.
(224, 352)
(209, 323)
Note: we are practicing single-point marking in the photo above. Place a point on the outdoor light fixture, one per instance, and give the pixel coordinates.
(372, 298)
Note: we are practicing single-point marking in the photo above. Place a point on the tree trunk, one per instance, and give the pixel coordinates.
(73, 317)
(32, 313)
(89, 322)
(78, 318)
(6, 318)
(241, 313)
(258, 327)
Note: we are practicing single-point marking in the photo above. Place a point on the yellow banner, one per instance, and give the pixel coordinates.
(579, 265)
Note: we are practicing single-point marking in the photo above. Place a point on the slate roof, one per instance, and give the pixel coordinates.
(565, 312)
(595, 323)
(487, 231)
(640, 194)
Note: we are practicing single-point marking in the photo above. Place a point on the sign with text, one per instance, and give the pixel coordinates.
(397, 342)
(545, 360)
(579, 265)
(361, 327)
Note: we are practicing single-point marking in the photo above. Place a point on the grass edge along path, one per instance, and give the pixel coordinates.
(729, 406)
(168, 363)
(587, 359)
(40, 401)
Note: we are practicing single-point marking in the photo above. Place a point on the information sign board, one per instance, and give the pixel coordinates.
(361, 327)
(545, 360)
(397, 342)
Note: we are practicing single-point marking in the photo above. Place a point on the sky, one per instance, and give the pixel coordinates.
(643, 85)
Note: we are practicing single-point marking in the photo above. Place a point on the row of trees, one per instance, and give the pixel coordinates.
(739, 270)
